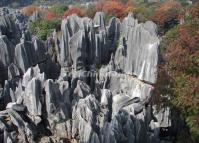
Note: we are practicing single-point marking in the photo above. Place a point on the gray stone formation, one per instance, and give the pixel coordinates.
(35, 16)
(10, 28)
(7, 50)
(91, 84)
(138, 51)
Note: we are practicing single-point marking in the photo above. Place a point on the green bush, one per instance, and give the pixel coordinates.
(59, 9)
(169, 37)
(43, 28)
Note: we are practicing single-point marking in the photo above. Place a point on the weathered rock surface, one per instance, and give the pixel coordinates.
(141, 41)
(7, 50)
(55, 106)
(25, 55)
(102, 94)
(9, 28)
(13, 71)
(86, 42)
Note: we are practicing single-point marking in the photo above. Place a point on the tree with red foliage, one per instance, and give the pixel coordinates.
(167, 13)
(74, 10)
(181, 67)
(49, 15)
(114, 7)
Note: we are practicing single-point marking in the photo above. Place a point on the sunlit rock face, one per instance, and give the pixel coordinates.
(138, 53)
(102, 94)
(144, 46)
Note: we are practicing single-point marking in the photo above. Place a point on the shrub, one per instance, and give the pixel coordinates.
(168, 38)
(144, 12)
(59, 9)
(43, 28)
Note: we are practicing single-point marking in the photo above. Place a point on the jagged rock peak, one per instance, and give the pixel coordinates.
(9, 28)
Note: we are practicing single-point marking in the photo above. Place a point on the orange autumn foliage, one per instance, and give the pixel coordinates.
(182, 64)
(170, 4)
(114, 7)
(74, 10)
(179, 74)
(167, 12)
(29, 10)
(184, 45)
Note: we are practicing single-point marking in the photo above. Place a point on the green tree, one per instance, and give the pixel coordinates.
(43, 28)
